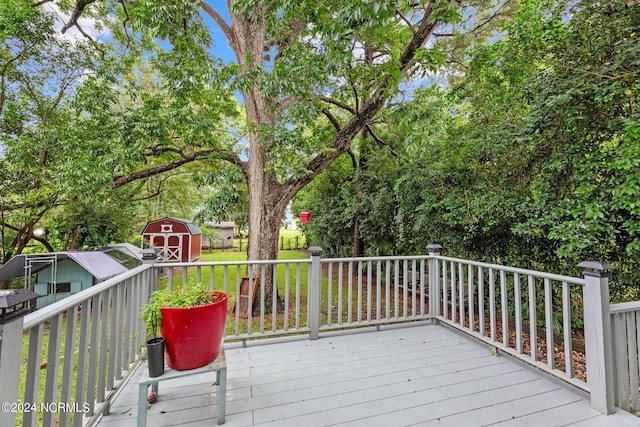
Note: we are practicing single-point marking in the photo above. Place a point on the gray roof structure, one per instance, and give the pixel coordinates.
(223, 224)
(98, 264)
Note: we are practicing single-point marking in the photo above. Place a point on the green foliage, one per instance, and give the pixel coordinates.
(528, 159)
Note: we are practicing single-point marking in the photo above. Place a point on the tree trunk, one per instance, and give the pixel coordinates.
(268, 204)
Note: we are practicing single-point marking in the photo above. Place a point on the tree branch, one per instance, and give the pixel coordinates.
(219, 20)
(406, 21)
(229, 156)
(332, 119)
(337, 103)
(77, 12)
(382, 142)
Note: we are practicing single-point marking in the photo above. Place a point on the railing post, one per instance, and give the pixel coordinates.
(314, 293)
(434, 291)
(14, 305)
(597, 335)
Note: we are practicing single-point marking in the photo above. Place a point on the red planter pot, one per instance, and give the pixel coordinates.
(193, 335)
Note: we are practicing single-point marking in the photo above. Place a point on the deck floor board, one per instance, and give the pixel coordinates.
(424, 375)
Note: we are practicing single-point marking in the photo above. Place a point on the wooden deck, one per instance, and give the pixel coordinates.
(421, 375)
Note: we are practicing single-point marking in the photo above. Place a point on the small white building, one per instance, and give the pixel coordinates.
(225, 231)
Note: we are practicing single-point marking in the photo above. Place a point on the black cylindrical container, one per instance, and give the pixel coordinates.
(155, 356)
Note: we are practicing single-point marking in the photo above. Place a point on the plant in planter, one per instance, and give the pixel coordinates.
(192, 321)
(155, 344)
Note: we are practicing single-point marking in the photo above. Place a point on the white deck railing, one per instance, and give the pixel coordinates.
(94, 337)
(80, 348)
(625, 325)
(525, 313)
(352, 292)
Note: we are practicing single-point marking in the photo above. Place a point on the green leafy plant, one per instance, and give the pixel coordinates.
(192, 294)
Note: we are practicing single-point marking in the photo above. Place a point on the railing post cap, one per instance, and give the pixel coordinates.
(596, 268)
(315, 250)
(433, 247)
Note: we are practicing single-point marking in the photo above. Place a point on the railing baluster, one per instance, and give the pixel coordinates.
(503, 300)
(566, 320)
(93, 352)
(185, 276)
(51, 384)
(454, 293)
(274, 302)
(131, 301)
(492, 305)
(102, 360)
(298, 296)
(350, 294)
(237, 297)
(471, 297)
(481, 313)
(225, 283)
(533, 321)
(329, 289)
(263, 297)
(32, 382)
(359, 316)
(445, 291)
(340, 286)
(387, 280)
(621, 355)
(396, 289)
(414, 288)
(405, 289)
(548, 310)
(287, 266)
(461, 293)
(249, 301)
(68, 363)
(517, 291)
(113, 337)
(378, 290)
(369, 287)
(85, 312)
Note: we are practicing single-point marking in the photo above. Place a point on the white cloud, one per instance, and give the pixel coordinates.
(73, 34)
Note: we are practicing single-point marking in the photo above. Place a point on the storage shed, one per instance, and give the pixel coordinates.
(225, 231)
(60, 274)
(177, 239)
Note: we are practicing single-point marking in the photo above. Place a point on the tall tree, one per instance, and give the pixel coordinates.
(299, 68)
